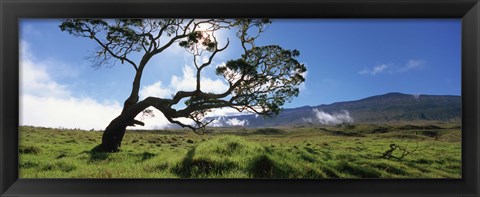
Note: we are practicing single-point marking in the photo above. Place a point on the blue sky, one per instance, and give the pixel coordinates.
(346, 60)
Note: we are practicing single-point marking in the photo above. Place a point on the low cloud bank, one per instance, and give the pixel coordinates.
(225, 122)
(47, 103)
(330, 119)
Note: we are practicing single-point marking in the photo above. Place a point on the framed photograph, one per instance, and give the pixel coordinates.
(269, 98)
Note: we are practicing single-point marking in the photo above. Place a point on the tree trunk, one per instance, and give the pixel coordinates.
(113, 134)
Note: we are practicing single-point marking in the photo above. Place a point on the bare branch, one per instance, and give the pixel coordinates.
(113, 54)
(405, 151)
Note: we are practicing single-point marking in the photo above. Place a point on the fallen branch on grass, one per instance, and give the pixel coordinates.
(404, 149)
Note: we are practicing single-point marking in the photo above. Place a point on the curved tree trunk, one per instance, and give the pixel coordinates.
(113, 135)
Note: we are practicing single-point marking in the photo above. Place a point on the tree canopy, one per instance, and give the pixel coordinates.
(260, 80)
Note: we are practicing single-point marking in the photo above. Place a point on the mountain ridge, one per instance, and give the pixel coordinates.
(386, 108)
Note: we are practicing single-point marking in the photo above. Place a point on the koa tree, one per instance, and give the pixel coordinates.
(260, 80)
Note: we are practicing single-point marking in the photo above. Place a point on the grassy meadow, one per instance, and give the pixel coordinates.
(348, 151)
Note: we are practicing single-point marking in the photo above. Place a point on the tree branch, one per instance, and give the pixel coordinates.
(115, 55)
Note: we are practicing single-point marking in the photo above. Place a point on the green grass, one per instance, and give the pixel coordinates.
(307, 152)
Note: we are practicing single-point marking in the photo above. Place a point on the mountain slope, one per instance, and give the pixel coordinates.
(387, 108)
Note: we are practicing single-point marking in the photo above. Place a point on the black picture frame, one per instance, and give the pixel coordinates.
(11, 11)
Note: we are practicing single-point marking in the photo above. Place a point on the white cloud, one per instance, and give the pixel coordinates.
(36, 81)
(69, 112)
(225, 111)
(330, 119)
(303, 86)
(223, 121)
(379, 69)
(186, 82)
(45, 102)
(375, 70)
(158, 121)
(391, 68)
(30, 30)
(34, 78)
(156, 90)
(412, 64)
(237, 122)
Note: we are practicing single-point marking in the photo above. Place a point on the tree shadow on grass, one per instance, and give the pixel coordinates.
(183, 168)
(265, 166)
(357, 170)
(145, 156)
(191, 167)
(96, 156)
